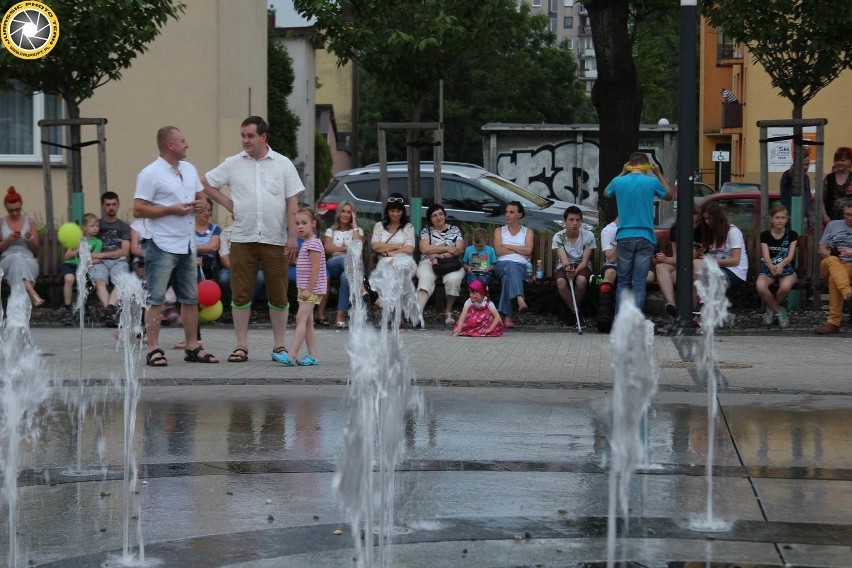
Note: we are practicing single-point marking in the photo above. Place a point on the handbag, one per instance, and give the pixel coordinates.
(442, 266)
(445, 266)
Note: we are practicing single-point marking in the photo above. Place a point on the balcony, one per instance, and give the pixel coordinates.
(584, 30)
(732, 115)
(587, 52)
(728, 55)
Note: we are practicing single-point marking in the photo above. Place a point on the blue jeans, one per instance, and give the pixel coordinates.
(161, 267)
(511, 276)
(336, 269)
(633, 261)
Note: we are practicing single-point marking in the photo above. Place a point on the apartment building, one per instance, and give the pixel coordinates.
(732, 126)
(569, 20)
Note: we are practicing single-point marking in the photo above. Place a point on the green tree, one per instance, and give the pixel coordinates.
(322, 163)
(283, 123)
(98, 40)
(802, 44)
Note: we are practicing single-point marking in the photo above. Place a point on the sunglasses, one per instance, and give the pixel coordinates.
(396, 200)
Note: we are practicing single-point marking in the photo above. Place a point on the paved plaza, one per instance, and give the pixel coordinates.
(507, 465)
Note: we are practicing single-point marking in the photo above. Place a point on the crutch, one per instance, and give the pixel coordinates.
(576, 307)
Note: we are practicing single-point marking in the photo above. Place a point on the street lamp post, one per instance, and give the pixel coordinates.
(687, 89)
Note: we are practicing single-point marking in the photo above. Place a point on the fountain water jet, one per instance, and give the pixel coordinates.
(711, 287)
(133, 298)
(24, 388)
(635, 377)
(381, 392)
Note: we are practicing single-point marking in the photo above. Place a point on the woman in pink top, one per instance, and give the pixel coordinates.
(311, 281)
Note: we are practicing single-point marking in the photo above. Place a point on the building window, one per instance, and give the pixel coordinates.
(20, 135)
(536, 2)
(568, 3)
(568, 43)
(553, 6)
(568, 22)
(553, 24)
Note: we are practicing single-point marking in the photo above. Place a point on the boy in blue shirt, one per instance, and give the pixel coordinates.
(634, 192)
(479, 258)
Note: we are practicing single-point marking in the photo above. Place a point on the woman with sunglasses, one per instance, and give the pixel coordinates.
(440, 243)
(19, 246)
(393, 236)
(514, 246)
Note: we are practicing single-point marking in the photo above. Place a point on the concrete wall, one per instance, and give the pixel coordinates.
(562, 161)
(204, 74)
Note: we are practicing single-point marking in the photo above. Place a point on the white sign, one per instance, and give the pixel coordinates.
(780, 154)
(721, 156)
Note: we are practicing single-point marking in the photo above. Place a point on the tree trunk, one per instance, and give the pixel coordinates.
(75, 170)
(616, 94)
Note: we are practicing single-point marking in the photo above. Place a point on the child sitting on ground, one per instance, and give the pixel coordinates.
(479, 316)
(72, 260)
(479, 258)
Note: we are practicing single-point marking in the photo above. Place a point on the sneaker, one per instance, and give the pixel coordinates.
(671, 310)
(828, 329)
(783, 320)
(449, 319)
(769, 316)
(307, 361)
(284, 358)
(68, 317)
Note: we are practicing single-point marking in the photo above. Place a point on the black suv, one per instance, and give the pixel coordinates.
(470, 194)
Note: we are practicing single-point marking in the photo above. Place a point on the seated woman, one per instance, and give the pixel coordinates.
(726, 244)
(778, 252)
(393, 236)
(441, 245)
(207, 236)
(336, 242)
(19, 247)
(514, 245)
(665, 266)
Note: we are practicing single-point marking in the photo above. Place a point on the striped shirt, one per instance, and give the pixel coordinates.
(303, 266)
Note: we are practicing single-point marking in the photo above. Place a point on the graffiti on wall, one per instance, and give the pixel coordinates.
(567, 171)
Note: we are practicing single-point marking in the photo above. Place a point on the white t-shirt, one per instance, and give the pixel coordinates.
(734, 241)
(574, 249)
(259, 190)
(608, 238)
(342, 238)
(160, 184)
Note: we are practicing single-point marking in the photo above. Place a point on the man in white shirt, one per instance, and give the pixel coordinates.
(168, 194)
(264, 188)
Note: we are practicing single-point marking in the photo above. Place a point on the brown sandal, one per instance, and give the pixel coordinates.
(238, 355)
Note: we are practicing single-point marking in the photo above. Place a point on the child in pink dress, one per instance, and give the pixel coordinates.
(479, 316)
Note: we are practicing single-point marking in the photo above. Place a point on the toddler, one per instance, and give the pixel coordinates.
(91, 226)
(479, 316)
(479, 258)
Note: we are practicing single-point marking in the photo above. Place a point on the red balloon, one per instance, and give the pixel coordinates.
(209, 293)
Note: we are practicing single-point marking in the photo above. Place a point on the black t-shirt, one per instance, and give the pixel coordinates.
(777, 249)
(113, 233)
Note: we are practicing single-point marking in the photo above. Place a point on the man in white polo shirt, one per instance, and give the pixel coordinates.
(168, 194)
(264, 187)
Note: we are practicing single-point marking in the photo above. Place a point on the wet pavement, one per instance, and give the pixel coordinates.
(507, 466)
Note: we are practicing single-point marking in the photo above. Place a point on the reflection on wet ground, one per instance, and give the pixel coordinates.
(483, 466)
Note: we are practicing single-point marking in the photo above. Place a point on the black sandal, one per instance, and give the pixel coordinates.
(156, 358)
(193, 357)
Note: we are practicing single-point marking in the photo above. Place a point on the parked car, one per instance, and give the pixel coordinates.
(470, 194)
(739, 187)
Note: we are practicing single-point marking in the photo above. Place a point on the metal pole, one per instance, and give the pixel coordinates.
(687, 89)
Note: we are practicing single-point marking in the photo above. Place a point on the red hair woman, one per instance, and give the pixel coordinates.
(19, 246)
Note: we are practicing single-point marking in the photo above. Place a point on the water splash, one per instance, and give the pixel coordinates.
(381, 392)
(635, 377)
(85, 262)
(711, 286)
(24, 388)
(132, 297)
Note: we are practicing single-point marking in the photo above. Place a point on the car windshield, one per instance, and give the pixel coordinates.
(509, 191)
